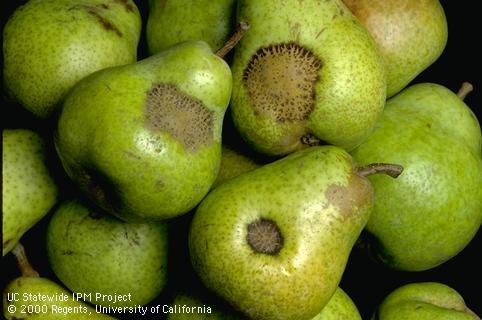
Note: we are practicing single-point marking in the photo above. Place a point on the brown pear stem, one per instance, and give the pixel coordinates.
(24, 265)
(233, 41)
(465, 89)
(393, 170)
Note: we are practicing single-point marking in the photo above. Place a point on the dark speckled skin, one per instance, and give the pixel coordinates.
(123, 165)
(296, 193)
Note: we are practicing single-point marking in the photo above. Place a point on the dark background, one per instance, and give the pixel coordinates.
(364, 280)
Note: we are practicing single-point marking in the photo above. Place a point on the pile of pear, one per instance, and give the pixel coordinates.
(332, 140)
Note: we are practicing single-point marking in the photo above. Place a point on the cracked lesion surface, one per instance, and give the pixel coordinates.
(264, 236)
(183, 117)
(280, 81)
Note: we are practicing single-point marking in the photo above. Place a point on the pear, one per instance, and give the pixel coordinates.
(49, 45)
(233, 163)
(340, 307)
(424, 301)
(37, 298)
(306, 72)
(410, 34)
(171, 22)
(435, 207)
(143, 141)
(278, 237)
(120, 264)
(29, 191)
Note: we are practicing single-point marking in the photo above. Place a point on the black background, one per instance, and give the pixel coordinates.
(366, 281)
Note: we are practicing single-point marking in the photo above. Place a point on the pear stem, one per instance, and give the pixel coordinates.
(465, 89)
(233, 41)
(393, 170)
(24, 265)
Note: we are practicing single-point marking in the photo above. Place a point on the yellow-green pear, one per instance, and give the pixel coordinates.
(235, 162)
(274, 241)
(424, 301)
(340, 307)
(410, 34)
(143, 141)
(434, 208)
(28, 189)
(120, 264)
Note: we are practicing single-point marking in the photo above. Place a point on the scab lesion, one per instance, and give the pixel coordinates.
(280, 80)
(184, 118)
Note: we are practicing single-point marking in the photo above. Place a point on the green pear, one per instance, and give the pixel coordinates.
(143, 141)
(119, 263)
(306, 71)
(424, 301)
(171, 22)
(411, 35)
(340, 307)
(434, 209)
(29, 191)
(278, 237)
(233, 163)
(49, 45)
(36, 298)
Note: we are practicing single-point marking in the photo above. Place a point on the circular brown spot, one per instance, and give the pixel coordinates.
(264, 236)
(183, 117)
(280, 80)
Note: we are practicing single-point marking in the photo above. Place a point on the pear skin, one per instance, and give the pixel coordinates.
(305, 73)
(434, 208)
(95, 253)
(278, 237)
(424, 301)
(29, 191)
(233, 163)
(50, 45)
(143, 141)
(340, 307)
(411, 35)
(171, 22)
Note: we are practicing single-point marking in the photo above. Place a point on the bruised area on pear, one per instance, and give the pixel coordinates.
(183, 117)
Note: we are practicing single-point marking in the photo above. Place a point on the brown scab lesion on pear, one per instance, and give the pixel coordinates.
(158, 150)
(310, 74)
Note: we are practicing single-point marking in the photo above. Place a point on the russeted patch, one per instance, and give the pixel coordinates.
(183, 117)
(280, 80)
